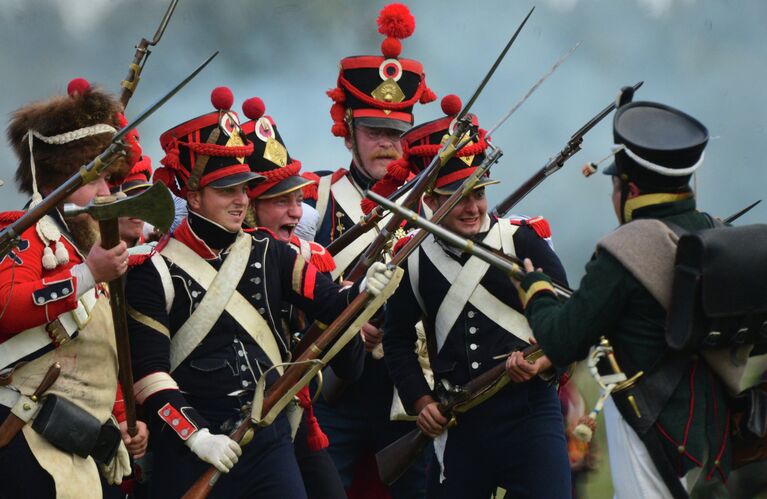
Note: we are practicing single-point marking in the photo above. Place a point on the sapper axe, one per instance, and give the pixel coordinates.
(155, 206)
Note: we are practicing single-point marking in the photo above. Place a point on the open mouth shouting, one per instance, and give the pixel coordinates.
(286, 231)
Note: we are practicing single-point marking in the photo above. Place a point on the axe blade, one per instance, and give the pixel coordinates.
(154, 205)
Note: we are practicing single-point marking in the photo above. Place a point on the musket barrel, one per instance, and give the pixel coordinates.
(510, 267)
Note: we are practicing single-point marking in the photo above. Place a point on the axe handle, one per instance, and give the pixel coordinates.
(110, 237)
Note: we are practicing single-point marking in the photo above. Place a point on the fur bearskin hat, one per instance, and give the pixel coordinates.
(68, 132)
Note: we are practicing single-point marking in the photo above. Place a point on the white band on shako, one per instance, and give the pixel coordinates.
(663, 170)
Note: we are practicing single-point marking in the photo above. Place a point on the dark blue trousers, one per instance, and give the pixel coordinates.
(514, 440)
(267, 468)
(317, 469)
(359, 424)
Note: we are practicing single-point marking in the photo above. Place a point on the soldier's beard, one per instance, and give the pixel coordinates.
(85, 232)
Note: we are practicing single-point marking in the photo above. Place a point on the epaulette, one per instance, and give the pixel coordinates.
(8, 217)
(141, 253)
(539, 224)
(338, 175)
(321, 257)
(402, 241)
(314, 252)
(310, 191)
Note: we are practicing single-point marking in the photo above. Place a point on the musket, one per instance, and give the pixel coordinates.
(141, 55)
(371, 219)
(398, 456)
(507, 263)
(554, 164)
(155, 206)
(9, 235)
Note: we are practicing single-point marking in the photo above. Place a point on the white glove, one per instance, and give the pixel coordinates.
(218, 450)
(377, 278)
(118, 468)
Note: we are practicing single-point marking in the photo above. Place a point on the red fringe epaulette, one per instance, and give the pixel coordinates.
(139, 259)
(338, 175)
(321, 257)
(539, 224)
(310, 191)
(8, 217)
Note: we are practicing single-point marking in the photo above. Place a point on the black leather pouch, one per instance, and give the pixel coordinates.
(72, 429)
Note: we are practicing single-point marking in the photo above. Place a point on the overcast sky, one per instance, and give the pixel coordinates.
(705, 57)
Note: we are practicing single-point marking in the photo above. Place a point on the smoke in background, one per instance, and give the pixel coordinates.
(705, 57)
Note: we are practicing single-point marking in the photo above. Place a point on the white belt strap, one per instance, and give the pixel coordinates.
(323, 196)
(31, 340)
(349, 198)
(466, 288)
(413, 262)
(221, 294)
(167, 281)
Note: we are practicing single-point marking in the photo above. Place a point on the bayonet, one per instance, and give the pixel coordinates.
(495, 65)
(532, 89)
(554, 164)
(507, 263)
(130, 83)
(740, 213)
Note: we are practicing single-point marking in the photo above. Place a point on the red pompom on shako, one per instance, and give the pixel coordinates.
(270, 157)
(77, 86)
(222, 98)
(253, 108)
(396, 21)
(451, 105)
(381, 90)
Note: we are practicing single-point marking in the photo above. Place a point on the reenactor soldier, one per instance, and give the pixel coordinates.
(473, 319)
(372, 105)
(54, 309)
(204, 318)
(678, 439)
(277, 207)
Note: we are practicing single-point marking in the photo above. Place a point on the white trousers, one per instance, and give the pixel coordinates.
(633, 472)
